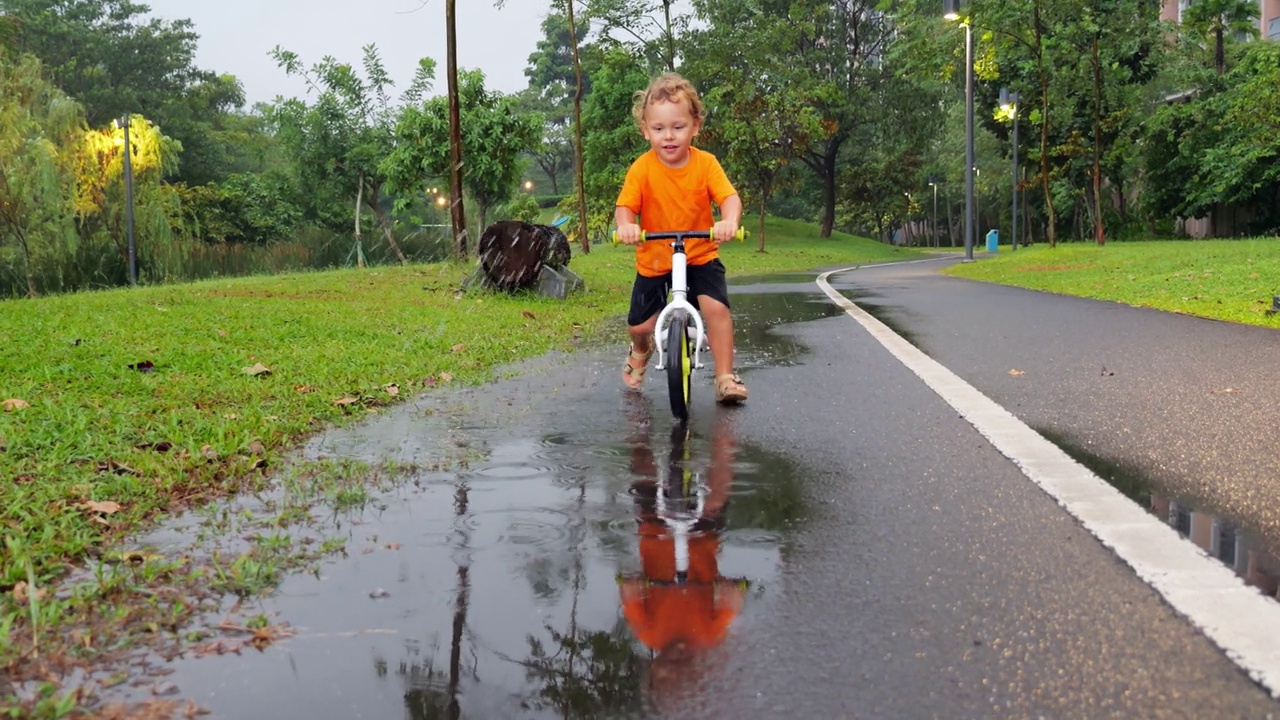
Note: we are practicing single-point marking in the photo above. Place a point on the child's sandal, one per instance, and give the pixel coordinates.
(633, 376)
(730, 390)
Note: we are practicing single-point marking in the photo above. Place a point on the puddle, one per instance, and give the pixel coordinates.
(1218, 536)
(538, 581)
(757, 316)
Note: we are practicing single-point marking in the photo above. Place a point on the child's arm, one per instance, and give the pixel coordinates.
(730, 215)
(628, 230)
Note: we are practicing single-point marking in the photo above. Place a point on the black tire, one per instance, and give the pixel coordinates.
(679, 366)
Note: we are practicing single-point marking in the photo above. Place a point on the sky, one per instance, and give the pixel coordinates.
(236, 35)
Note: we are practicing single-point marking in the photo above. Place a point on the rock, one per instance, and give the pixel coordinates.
(512, 253)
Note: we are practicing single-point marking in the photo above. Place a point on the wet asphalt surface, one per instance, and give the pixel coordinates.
(896, 565)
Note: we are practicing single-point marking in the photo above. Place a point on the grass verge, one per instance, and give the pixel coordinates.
(123, 406)
(1231, 280)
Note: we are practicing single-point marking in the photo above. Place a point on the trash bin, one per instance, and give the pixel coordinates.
(993, 240)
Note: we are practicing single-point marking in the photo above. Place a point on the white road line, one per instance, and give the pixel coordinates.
(1234, 616)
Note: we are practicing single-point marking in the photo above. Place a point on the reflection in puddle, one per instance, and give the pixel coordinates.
(1220, 537)
(1223, 540)
(679, 603)
(537, 581)
(757, 317)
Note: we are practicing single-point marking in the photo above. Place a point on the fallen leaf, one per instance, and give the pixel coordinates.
(445, 377)
(145, 366)
(393, 389)
(304, 389)
(117, 468)
(257, 369)
(222, 333)
(208, 452)
(1106, 372)
(392, 546)
(106, 507)
(1227, 391)
(345, 401)
(1016, 372)
(429, 381)
(231, 416)
(163, 446)
(15, 404)
(459, 347)
(21, 594)
(256, 447)
(529, 315)
(24, 479)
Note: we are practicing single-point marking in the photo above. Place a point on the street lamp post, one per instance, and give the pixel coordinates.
(952, 8)
(128, 202)
(1009, 101)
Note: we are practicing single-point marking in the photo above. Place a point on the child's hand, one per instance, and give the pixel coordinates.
(724, 231)
(629, 234)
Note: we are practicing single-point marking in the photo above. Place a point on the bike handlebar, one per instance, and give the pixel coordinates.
(741, 235)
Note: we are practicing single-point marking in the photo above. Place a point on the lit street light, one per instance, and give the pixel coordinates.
(128, 200)
(952, 8)
(1009, 101)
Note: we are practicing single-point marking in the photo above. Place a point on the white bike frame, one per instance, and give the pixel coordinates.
(679, 301)
(680, 521)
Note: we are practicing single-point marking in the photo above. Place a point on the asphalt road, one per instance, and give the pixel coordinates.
(900, 566)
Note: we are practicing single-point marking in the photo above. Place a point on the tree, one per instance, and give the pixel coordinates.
(340, 140)
(552, 87)
(1221, 147)
(649, 23)
(114, 59)
(494, 134)
(100, 203)
(611, 139)
(759, 131)
(833, 52)
(39, 129)
(457, 214)
(1220, 18)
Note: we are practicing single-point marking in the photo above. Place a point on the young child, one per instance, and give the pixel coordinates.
(671, 187)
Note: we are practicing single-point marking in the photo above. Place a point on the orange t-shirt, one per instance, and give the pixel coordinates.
(697, 613)
(669, 199)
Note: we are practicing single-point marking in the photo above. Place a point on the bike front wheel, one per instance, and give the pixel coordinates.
(679, 365)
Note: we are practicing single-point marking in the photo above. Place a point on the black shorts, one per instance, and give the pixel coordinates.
(649, 294)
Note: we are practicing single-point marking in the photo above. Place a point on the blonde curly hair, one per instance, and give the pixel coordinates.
(669, 87)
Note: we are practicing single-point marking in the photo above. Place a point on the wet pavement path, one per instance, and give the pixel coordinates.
(895, 564)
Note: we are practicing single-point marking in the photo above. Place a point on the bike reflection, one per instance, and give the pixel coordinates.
(679, 603)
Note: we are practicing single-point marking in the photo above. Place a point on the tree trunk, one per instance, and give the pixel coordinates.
(26, 262)
(579, 175)
(1099, 224)
(951, 224)
(1219, 52)
(359, 203)
(766, 191)
(388, 230)
(1051, 219)
(829, 188)
(671, 38)
(457, 214)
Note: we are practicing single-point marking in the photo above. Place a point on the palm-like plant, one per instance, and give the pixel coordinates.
(1219, 18)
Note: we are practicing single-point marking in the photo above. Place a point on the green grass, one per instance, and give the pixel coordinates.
(99, 448)
(1231, 280)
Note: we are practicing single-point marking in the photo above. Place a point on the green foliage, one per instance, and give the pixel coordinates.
(610, 139)
(1221, 146)
(340, 140)
(245, 208)
(114, 59)
(494, 134)
(39, 128)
